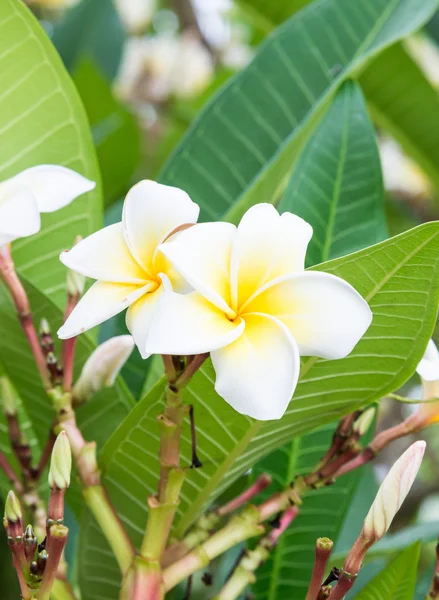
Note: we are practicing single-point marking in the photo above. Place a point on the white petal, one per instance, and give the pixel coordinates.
(267, 246)
(151, 211)
(202, 255)
(326, 316)
(19, 214)
(257, 374)
(140, 317)
(428, 367)
(190, 324)
(105, 255)
(53, 186)
(102, 301)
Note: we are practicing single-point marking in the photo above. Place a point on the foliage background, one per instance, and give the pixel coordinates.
(329, 110)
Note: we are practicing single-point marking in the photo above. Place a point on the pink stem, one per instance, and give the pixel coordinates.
(261, 483)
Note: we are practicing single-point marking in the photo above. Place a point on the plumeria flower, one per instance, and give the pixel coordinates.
(255, 308)
(428, 370)
(124, 259)
(40, 189)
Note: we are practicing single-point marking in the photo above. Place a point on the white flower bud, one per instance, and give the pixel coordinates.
(103, 366)
(364, 421)
(60, 463)
(8, 397)
(393, 492)
(13, 511)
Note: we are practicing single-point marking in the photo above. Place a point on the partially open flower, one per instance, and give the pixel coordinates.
(124, 259)
(60, 463)
(428, 370)
(41, 189)
(255, 308)
(103, 366)
(393, 492)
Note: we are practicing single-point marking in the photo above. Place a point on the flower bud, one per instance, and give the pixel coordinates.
(60, 463)
(393, 492)
(8, 397)
(13, 511)
(44, 327)
(364, 421)
(103, 366)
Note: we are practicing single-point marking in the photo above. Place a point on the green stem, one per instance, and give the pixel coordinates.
(99, 504)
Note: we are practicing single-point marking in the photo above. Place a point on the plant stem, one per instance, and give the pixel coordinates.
(10, 474)
(241, 527)
(344, 584)
(433, 592)
(21, 302)
(323, 552)
(243, 575)
(56, 542)
(94, 493)
(261, 483)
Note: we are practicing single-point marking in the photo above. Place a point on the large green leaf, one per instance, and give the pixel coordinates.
(399, 278)
(397, 581)
(91, 29)
(337, 184)
(403, 102)
(241, 148)
(42, 121)
(287, 572)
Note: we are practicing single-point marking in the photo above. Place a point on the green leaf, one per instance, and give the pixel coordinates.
(287, 572)
(42, 121)
(241, 148)
(19, 366)
(397, 581)
(404, 103)
(398, 277)
(91, 29)
(114, 129)
(337, 184)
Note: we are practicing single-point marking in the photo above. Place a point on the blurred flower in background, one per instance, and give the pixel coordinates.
(136, 15)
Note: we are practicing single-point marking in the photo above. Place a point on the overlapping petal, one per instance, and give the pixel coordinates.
(190, 324)
(428, 367)
(257, 374)
(326, 316)
(202, 255)
(151, 211)
(267, 246)
(53, 186)
(19, 214)
(104, 255)
(102, 301)
(140, 317)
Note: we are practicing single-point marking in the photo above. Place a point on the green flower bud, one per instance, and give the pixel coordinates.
(60, 463)
(13, 511)
(8, 397)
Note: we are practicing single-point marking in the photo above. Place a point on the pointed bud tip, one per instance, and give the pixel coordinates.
(44, 327)
(60, 463)
(364, 421)
(8, 397)
(393, 491)
(13, 511)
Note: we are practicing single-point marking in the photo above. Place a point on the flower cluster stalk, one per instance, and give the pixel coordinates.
(244, 575)
(433, 592)
(323, 551)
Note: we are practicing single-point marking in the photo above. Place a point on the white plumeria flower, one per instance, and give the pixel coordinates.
(40, 189)
(255, 309)
(103, 366)
(124, 259)
(428, 370)
(393, 491)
